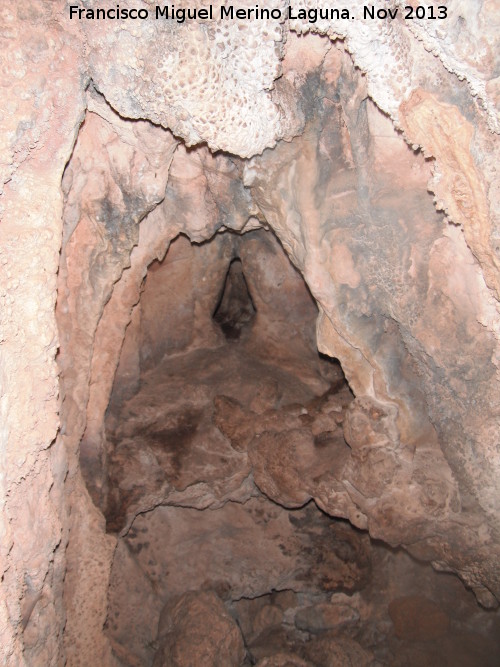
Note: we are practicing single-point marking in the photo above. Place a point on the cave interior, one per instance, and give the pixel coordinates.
(221, 416)
(243, 479)
(250, 340)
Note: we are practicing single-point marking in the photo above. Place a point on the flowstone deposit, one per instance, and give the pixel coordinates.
(190, 211)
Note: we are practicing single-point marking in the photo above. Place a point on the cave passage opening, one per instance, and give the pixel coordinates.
(224, 423)
(223, 337)
(226, 467)
(235, 309)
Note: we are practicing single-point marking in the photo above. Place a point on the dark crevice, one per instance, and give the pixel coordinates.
(235, 309)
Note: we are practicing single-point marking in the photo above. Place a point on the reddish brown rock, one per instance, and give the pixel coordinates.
(326, 616)
(269, 616)
(197, 630)
(384, 339)
(283, 660)
(408, 299)
(276, 460)
(242, 551)
(418, 618)
(331, 651)
(234, 422)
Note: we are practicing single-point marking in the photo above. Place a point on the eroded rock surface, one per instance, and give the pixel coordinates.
(330, 195)
(408, 298)
(197, 630)
(217, 465)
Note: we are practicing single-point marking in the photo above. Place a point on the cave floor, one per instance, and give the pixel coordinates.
(189, 498)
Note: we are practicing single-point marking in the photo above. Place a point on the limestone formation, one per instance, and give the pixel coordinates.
(197, 630)
(192, 208)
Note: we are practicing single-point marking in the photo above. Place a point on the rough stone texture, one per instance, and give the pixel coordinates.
(324, 617)
(411, 308)
(42, 106)
(298, 583)
(339, 652)
(197, 201)
(194, 78)
(283, 660)
(418, 619)
(174, 444)
(238, 550)
(178, 299)
(127, 69)
(197, 630)
(117, 174)
(183, 449)
(330, 198)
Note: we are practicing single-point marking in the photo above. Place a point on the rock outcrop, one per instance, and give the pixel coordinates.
(369, 147)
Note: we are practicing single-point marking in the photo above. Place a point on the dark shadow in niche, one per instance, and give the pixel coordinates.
(235, 309)
(332, 371)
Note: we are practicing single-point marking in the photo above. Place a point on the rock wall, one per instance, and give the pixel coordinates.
(345, 197)
(42, 108)
(408, 297)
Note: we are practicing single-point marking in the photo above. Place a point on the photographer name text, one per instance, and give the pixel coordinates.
(232, 12)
